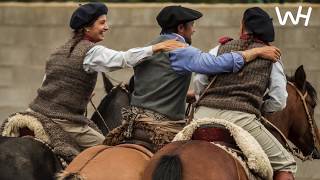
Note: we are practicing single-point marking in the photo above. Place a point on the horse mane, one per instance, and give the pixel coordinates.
(109, 97)
(309, 88)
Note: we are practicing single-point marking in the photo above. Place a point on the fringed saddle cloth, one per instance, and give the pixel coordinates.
(42, 128)
(256, 159)
(144, 125)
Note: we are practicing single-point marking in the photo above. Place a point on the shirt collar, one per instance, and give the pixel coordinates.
(174, 35)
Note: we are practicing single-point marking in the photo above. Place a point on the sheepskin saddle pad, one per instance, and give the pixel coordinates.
(256, 159)
(42, 128)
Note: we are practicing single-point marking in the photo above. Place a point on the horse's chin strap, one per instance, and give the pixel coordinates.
(293, 149)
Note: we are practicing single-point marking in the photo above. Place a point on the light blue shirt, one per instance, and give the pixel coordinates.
(191, 59)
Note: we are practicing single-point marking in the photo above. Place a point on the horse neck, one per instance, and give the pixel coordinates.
(110, 109)
(284, 119)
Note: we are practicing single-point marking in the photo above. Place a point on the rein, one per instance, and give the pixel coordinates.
(101, 117)
(123, 87)
(293, 149)
(195, 104)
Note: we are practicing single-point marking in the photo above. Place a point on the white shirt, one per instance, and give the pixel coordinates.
(102, 59)
(276, 91)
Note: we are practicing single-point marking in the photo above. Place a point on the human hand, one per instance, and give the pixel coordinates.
(271, 53)
(168, 45)
(191, 96)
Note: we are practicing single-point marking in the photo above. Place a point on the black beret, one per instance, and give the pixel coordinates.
(172, 16)
(259, 23)
(87, 13)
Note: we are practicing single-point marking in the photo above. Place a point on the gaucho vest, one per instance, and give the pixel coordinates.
(158, 87)
(66, 90)
(242, 91)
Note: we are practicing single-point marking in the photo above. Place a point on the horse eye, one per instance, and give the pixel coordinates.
(313, 105)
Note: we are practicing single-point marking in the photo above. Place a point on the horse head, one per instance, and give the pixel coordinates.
(303, 100)
(296, 121)
(108, 114)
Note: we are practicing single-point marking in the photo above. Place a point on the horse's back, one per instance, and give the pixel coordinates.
(26, 159)
(106, 162)
(200, 160)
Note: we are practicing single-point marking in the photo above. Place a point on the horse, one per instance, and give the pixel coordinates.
(108, 114)
(196, 159)
(26, 158)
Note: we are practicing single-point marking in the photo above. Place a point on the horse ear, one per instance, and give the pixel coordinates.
(300, 77)
(107, 83)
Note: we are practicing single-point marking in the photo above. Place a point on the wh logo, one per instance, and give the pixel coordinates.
(294, 21)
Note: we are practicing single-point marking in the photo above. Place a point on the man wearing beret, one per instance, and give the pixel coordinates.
(250, 84)
(161, 84)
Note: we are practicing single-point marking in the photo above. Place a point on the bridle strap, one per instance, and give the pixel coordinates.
(123, 87)
(310, 119)
(195, 104)
(293, 149)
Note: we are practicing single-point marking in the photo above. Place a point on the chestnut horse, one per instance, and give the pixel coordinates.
(194, 159)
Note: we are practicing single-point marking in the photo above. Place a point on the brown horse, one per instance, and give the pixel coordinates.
(195, 159)
(108, 114)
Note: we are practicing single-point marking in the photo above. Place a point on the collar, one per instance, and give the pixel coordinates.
(174, 35)
(255, 39)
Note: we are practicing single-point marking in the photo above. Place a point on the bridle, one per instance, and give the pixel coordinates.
(289, 146)
(309, 117)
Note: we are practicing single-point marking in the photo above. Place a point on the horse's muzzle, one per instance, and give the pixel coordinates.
(316, 154)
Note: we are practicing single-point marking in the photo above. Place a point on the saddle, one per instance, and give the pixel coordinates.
(43, 129)
(140, 137)
(223, 133)
(216, 133)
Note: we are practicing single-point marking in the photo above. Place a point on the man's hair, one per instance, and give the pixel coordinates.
(173, 29)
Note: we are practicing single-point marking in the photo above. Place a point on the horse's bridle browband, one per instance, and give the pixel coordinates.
(293, 149)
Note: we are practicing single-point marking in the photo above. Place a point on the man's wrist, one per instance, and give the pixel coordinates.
(244, 56)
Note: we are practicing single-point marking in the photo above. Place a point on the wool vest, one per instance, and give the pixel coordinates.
(242, 91)
(66, 89)
(158, 87)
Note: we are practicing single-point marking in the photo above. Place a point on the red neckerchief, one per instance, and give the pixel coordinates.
(86, 37)
(255, 39)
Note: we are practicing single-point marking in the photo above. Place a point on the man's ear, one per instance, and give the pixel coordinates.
(180, 28)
